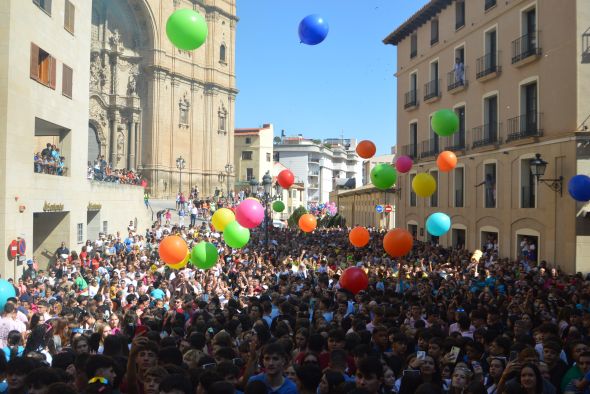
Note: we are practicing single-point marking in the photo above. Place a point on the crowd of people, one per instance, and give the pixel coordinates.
(101, 170)
(49, 161)
(272, 318)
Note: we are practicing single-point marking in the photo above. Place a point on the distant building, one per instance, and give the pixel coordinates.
(293, 198)
(253, 154)
(366, 206)
(319, 164)
(369, 164)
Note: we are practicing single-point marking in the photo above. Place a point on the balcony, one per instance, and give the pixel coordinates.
(489, 4)
(456, 142)
(313, 186)
(525, 49)
(314, 173)
(457, 80)
(411, 99)
(485, 135)
(524, 126)
(430, 148)
(410, 150)
(314, 160)
(432, 91)
(488, 67)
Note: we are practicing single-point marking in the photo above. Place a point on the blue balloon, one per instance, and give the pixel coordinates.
(438, 223)
(579, 187)
(6, 291)
(313, 29)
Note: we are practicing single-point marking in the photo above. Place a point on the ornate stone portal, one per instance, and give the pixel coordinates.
(151, 103)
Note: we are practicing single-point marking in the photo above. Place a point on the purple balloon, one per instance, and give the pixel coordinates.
(403, 164)
(249, 213)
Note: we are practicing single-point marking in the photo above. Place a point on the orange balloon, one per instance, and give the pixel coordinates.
(446, 161)
(307, 223)
(172, 249)
(398, 242)
(359, 236)
(366, 149)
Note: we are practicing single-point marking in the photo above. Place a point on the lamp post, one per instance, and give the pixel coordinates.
(180, 165)
(538, 167)
(266, 197)
(228, 171)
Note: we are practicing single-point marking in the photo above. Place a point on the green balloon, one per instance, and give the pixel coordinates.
(383, 176)
(445, 122)
(278, 206)
(235, 235)
(204, 255)
(187, 29)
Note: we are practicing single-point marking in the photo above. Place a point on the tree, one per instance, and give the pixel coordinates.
(293, 220)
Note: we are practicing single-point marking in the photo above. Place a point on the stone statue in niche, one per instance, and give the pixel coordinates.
(115, 39)
(132, 84)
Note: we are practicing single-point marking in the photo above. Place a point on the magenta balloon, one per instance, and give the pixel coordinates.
(249, 213)
(404, 164)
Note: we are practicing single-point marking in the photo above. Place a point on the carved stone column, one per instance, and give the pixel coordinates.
(113, 138)
(131, 150)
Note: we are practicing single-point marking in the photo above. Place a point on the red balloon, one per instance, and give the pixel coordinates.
(398, 242)
(366, 149)
(354, 280)
(307, 223)
(286, 179)
(359, 236)
(173, 249)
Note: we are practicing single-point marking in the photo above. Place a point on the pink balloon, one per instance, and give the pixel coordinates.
(404, 164)
(250, 213)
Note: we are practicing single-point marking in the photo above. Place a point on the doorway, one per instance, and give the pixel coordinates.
(50, 229)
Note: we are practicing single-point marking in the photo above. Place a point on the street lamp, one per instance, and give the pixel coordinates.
(180, 165)
(266, 197)
(228, 170)
(538, 167)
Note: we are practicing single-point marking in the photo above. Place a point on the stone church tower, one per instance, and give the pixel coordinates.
(151, 103)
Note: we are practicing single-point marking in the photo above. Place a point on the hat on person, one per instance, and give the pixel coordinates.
(30, 262)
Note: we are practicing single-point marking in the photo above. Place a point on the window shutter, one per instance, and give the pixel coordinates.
(67, 81)
(69, 17)
(34, 61)
(52, 72)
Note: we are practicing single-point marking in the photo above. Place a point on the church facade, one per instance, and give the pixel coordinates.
(151, 103)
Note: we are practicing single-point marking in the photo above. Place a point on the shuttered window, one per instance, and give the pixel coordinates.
(69, 16)
(45, 5)
(43, 67)
(66, 85)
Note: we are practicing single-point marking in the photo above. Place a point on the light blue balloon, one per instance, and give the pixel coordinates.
(438, 223)
(6, 291)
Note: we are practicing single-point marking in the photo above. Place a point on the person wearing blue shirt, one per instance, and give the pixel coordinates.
(275, 361)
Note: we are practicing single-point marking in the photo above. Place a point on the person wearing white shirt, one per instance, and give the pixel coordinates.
(9, 322)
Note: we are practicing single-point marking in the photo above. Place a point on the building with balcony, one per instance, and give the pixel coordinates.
(316, 163)
(253, 154)
(44, 99)
(517, 74)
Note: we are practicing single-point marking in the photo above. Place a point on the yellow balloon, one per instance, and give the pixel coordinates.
(424, 185)
(182, 264)
(221, 218)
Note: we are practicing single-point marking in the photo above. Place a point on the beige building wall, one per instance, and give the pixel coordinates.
(358, 207)
(253, 149)
(30, 111)
(558, 67)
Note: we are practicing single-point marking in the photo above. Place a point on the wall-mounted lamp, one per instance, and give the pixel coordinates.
(538, 167)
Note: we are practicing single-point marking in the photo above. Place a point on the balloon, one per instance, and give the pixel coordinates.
(172, 249)
(307, 223)
(366, 149)
(252, 198)
(424, 185)
(187, 29)
(278, 206)
(579, 187)
(286, 179)
(6, 291)
(445, 122)
(313, 29)
(438, 224)
(354, 279)
(182, 264)
(404, 164)
(398, 242)
(204, 255)
(235, 235)
(250, 213)
(359, 236)
(446, 161)
(221, 218)
(383, 176)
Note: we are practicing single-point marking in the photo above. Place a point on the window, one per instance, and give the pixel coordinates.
(528, 198)
(294, 195)
(268, 156)
(413, 229)
(434, 196)
(249, 173)
(221, 120)
(45, 5)
(42, 66)
(489, 183)
(413, 149)
(80, 233)
(458, 139)
(459, 14)
(247, 155)
(105, 227)
(183, 114)
(66, 81)
(489, 4)
(412, 194)
(413, 45)
(222, 53)
(69, 16)
(459, 187)
(248, 140)
(433, 31)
